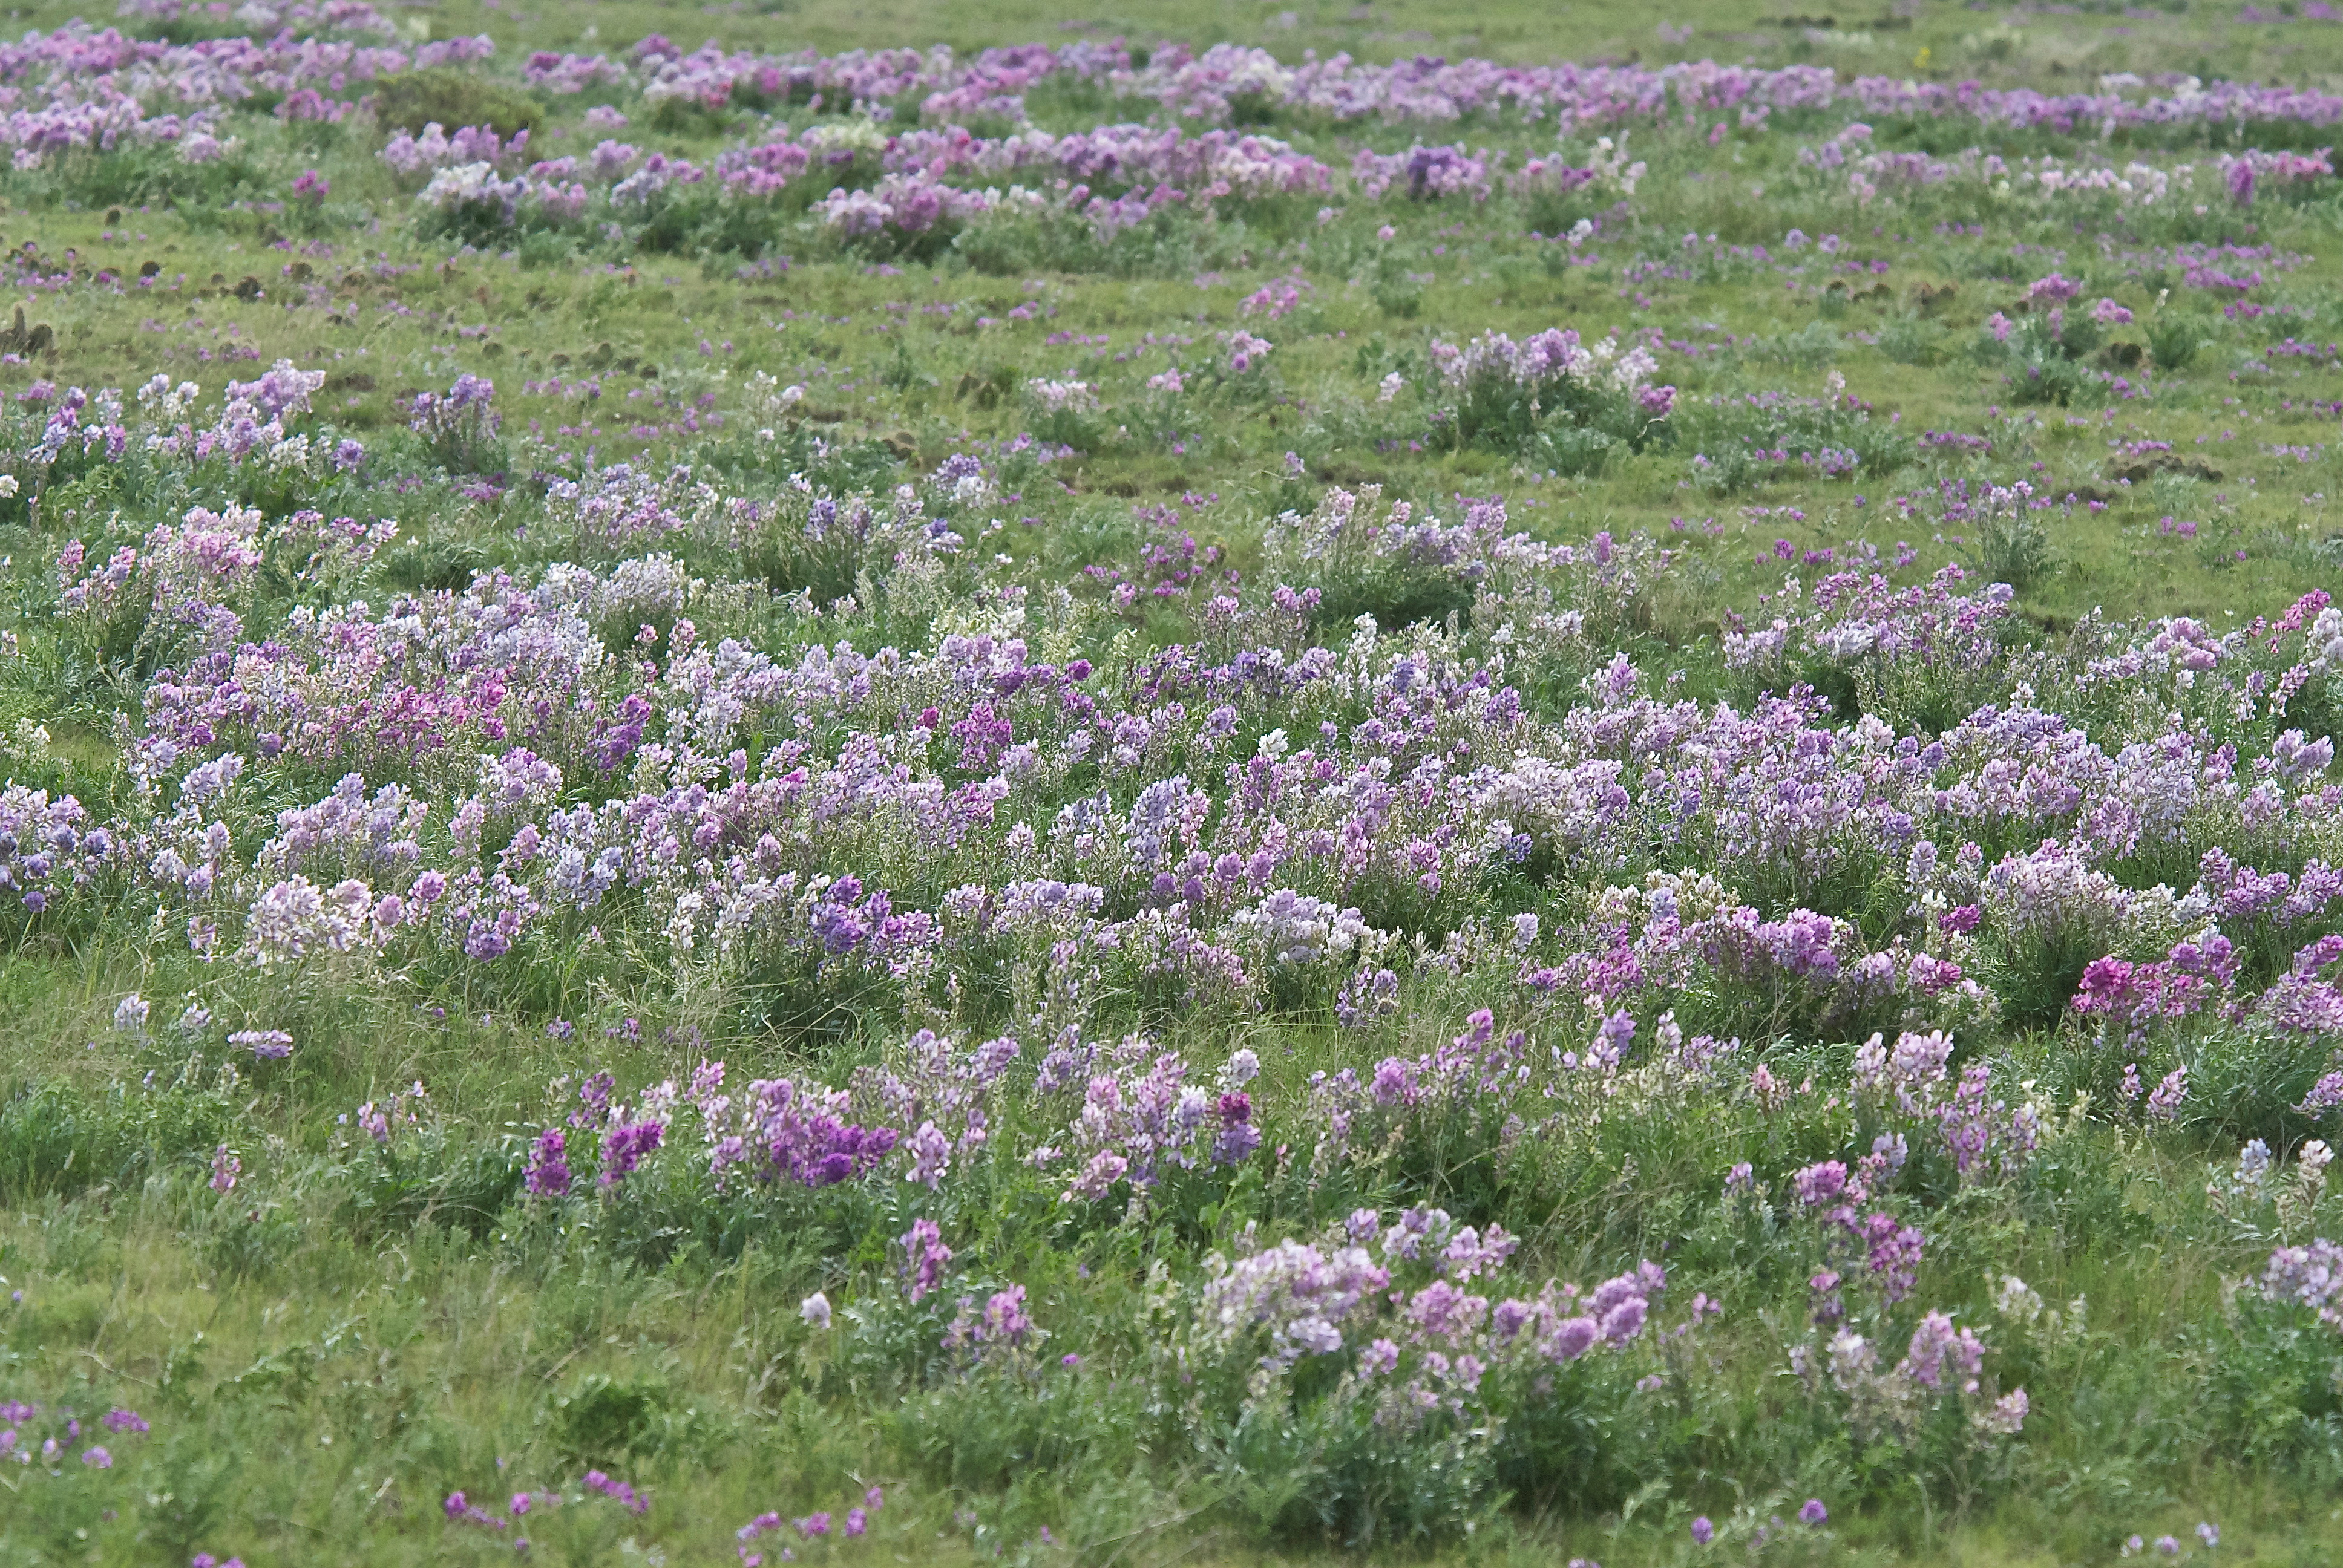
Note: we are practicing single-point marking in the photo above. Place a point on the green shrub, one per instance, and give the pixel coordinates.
(2013, 547)
(453, 99)
(2173, 340)
(62, 1138)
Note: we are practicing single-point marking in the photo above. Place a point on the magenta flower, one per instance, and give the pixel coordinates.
(618, 1491)
(1820, 1183)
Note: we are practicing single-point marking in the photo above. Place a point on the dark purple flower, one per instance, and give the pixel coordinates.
(549, 1173)
(624, 1148)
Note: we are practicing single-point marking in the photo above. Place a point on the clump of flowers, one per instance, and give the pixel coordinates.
(460, 427)
(1393, 1335)
(472, 198)
(1504, 390)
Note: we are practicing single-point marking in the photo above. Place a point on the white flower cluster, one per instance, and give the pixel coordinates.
(473, 185)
